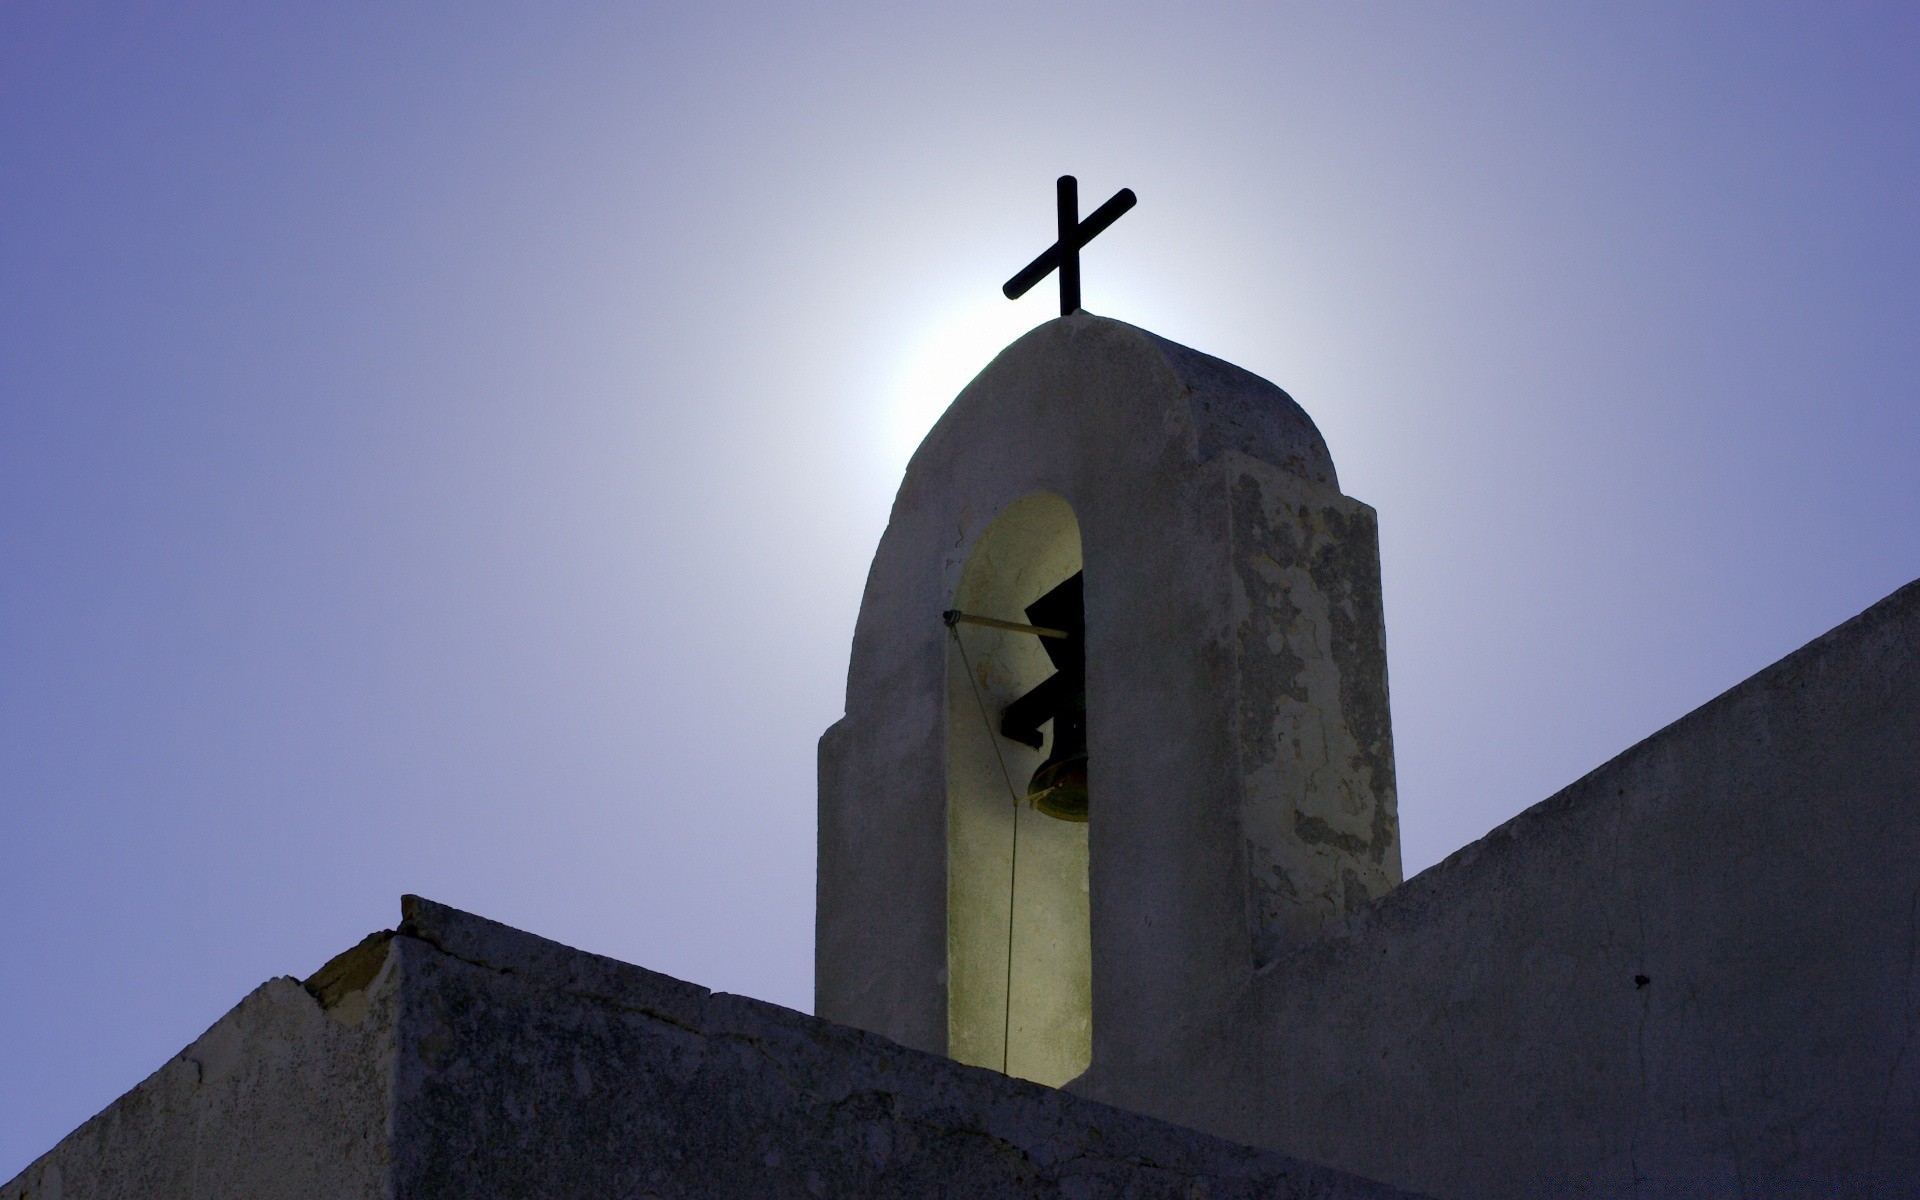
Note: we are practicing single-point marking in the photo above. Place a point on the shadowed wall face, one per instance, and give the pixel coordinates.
(1040, 948)
(456, 1057)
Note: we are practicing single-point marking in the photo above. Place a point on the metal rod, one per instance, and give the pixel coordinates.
(1050, 258)
(1032, 273)
(1098, 220)
(1067, 205)
(953, 614)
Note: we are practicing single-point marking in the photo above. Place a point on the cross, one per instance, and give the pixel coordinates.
(1064, 254)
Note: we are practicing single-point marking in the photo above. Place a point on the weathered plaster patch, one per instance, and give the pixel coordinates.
(1314, 735)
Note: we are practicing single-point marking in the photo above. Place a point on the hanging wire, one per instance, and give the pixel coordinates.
(1013, 861)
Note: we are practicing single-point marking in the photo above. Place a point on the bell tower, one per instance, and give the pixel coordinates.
(1116, 731)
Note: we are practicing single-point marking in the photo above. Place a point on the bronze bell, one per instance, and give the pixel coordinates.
(1059, 787)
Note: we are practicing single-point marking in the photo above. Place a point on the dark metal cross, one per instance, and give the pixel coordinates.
(1064, 254)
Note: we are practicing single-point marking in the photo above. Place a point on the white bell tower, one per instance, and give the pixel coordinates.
(1238, 768)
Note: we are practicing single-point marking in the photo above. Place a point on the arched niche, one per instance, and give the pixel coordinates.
(1019, 951)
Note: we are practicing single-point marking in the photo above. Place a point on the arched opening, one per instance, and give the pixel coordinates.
(1019, 951)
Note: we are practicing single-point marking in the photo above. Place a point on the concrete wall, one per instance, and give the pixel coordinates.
(1195, 738)
(528, 1069)
(457, 1058)
(1693, 972)
(283, 1099)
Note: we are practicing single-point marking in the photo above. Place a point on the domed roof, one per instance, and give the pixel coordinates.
(1209, 404)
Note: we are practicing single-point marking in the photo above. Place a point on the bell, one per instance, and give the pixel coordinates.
(1059, 788)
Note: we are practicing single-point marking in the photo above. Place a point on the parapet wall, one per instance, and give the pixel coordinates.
(458, 1058)
(1696, 971)
(280, 1100)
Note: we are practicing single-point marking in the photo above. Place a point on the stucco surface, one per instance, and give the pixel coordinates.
(458, 1058)
(1696, 971)
(1187, 716)
(528, 1069)
(1313, 735)
(1046, 1034)
(282, 1099)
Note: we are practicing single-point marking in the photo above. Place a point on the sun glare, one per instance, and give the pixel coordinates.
(954, 349)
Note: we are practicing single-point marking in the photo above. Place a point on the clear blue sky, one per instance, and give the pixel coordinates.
(441, 446)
